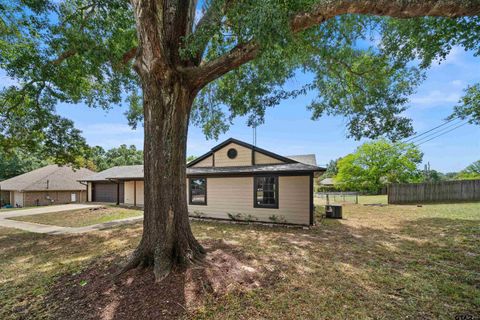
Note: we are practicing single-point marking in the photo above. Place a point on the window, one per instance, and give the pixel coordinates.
(266, 192)
(198, 191)
(232, 153)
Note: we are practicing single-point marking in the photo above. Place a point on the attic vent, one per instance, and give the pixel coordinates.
(232, 153)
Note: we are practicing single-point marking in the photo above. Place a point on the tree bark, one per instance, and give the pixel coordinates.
(169, 87)
(167, 239)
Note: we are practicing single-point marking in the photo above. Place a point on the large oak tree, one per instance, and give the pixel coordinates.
(178, 62)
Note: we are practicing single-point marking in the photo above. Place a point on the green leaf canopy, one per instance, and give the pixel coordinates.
(82, 51)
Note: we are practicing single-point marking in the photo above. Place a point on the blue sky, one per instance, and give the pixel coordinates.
(289, 130)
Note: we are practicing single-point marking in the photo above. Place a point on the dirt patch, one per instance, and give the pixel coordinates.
(95, 294)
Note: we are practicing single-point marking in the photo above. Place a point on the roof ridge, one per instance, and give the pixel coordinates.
(244, 144)
(43, 177)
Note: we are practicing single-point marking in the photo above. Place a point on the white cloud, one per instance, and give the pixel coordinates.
(458, 83)
(111, 135)
(6, 81)
(436, 98)
(456, 57)
(108, 129)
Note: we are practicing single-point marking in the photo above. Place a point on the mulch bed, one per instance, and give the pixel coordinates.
(96, 294)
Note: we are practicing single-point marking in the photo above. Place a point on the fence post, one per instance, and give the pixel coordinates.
(356, 198)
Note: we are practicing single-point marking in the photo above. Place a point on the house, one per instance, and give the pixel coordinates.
(51, 184)
(327, 182)
(234, 180)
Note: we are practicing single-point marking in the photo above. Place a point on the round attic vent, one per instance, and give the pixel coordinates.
(232, 153)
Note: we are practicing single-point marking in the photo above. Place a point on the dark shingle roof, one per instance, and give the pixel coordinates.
(51, 177)
(270, 168)
(136, 172)
(305, 158)
(120, 172)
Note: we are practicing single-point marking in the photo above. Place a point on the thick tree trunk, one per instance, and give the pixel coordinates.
(167, 239)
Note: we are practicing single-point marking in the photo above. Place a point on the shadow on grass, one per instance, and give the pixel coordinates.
(425, 268)
(96, 294)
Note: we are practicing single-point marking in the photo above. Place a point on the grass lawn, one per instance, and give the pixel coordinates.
(391, 262)
(82, 217)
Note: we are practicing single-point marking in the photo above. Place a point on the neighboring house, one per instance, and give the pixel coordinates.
(235, 180)
(52, 184)
(327, 182)
(120, 185)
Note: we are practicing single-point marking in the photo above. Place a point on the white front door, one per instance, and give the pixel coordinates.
(74, 197)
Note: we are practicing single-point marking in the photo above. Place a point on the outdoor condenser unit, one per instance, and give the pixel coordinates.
(333, 211)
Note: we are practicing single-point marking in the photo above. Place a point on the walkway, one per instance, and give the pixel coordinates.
(50, 229)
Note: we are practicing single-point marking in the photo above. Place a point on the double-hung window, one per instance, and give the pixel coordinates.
(198, 191)
(265, 192)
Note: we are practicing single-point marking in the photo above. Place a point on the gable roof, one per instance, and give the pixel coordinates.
(254, 170)
(136, 172)
(305, 158)
(243, 144)
(51, 177)
(328, 181)
(120, 172)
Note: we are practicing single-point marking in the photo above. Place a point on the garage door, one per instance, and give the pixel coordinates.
(106, 192)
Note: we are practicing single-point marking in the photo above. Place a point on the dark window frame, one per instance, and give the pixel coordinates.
(190, 180)
(265, 206)
(232, 153)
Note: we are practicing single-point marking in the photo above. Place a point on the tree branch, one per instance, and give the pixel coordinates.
(203, 74)
(129, 55)
(392, 8)
(64, 56)
(209, 71)
(212, 18)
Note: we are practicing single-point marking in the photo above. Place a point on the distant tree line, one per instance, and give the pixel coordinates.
(95, 158)
(376, 164)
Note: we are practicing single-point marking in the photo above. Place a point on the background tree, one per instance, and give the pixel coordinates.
(191, 158)
(121, 156)
(470, 172)
(18, 162)
(331, 169)
(232, 60)
(431, 175)
(375, 164)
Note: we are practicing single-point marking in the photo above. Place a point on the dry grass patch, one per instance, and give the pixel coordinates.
(389, 262)
(82, 217)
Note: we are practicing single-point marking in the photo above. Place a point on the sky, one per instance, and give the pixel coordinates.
(289, 130)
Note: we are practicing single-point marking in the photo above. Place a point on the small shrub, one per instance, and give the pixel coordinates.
(277, 219)
(235, 216)
(198, 214)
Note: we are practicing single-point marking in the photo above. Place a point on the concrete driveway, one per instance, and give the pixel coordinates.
(43, 228)
(46, 209)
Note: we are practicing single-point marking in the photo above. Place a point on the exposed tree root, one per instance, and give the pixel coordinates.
(164, 262)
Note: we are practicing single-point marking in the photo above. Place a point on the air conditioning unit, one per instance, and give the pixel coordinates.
(333, 211)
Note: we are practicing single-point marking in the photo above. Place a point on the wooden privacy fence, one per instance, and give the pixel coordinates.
(445, 191)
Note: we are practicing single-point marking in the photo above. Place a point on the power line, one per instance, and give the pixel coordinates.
(431, 134)
(439, 126)
(445, 132)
